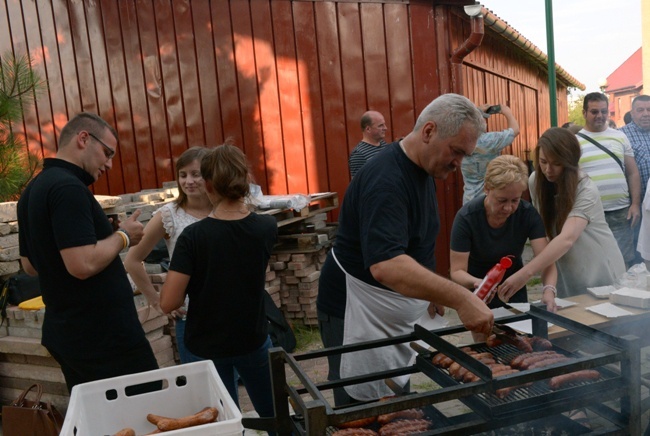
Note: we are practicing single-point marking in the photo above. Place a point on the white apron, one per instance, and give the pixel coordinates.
(376, 313)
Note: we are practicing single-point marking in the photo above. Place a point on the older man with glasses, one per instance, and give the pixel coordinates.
(608, 159)
(91, 326)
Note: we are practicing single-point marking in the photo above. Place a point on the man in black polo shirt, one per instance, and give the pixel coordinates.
(91, 324)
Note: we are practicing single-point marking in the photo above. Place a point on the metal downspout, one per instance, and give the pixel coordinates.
(473, 41)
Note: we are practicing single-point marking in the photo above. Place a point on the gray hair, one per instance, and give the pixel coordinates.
(450, 112)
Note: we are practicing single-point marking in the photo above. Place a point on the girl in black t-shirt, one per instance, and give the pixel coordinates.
(220, 262)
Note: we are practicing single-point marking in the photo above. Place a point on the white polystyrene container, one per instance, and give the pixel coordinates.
(103, 408)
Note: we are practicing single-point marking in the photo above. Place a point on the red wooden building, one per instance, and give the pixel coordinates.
(287, 79)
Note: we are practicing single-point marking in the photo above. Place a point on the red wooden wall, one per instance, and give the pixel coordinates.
(287, 79)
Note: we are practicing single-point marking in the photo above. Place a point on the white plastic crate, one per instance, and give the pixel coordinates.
(186, 390)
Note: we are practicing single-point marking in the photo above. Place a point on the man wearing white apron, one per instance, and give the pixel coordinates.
(379, 276)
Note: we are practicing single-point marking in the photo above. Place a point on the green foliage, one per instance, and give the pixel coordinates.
(534, 281)
(19, 85)
(307, 338)
(575, 111)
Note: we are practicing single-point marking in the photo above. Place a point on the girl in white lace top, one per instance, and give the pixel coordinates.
(168, 222)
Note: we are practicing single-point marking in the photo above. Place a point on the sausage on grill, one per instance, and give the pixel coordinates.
(404, 427)
(358, 423)
(540, 344)
(517, 361)
(400, 414)
(548, 362)
(560, 381)
(354, 432)
(532, 360)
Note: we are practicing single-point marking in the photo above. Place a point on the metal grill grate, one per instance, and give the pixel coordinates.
(504, 354)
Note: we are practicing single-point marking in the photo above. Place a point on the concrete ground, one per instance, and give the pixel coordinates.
(317, 368)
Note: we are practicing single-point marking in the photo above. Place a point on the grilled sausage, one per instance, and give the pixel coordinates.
(498, 367)
(560, 381)
(125, 432)
(437, 359)
(548, 362)
(453, 370)
(493, 341)
(470, 377)
(205, 416)
(530, 361)
(504, 372)
(446, 362)
(354, 432)
(483, 355)
(401, 414)
(404, 427)
(358, 423)
(521, 342)
(540, 344)
(516, 361)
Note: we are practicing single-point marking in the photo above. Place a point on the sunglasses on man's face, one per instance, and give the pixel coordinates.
(108, 151)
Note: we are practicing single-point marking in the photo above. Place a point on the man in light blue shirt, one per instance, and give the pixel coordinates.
(488, 147)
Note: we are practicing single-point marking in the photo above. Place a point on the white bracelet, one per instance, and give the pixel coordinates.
(125, 238)
(552, 288)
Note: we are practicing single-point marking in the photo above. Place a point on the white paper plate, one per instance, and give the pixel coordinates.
(521, 307)
(560, 302)
(632, 292)
(525, 326)
(501, 312)
(609, 310)
(601, 291)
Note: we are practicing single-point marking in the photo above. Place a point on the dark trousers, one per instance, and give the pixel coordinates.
(255, 371)
(138, 359)
(331, 333)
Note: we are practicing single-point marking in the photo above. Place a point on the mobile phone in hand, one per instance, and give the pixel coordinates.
(493, 109)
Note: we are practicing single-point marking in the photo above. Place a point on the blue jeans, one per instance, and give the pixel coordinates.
(255, 372)
(185, 354)
(624, 234)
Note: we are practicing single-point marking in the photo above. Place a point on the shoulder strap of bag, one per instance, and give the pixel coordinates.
(603, 148)
(4, 300)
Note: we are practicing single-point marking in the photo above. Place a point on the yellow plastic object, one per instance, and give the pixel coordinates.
(33, 304)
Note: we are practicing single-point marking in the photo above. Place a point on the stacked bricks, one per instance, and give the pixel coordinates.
(9, 255)
(296, 275)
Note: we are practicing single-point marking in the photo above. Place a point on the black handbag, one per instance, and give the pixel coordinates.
(22, 287)
(26, 417)
(16, 289)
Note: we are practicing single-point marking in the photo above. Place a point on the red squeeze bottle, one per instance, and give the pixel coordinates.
(492, 279)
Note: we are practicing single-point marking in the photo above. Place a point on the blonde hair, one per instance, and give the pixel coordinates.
(504, 170)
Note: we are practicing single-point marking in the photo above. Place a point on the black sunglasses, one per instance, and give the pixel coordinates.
(108, 151)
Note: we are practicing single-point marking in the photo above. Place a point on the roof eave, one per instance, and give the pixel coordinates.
(509, 33)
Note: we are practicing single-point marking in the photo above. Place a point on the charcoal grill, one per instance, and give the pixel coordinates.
(314, 415)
